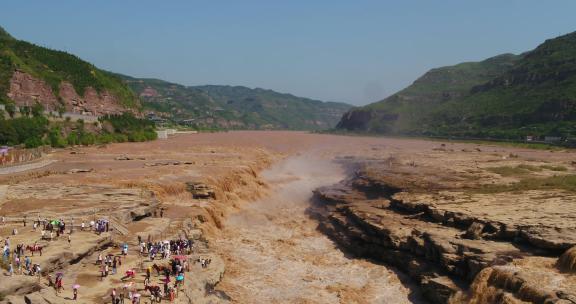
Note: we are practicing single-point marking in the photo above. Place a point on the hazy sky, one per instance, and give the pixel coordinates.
(353, 51)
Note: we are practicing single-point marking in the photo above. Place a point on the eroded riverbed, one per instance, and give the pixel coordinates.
(274, 254)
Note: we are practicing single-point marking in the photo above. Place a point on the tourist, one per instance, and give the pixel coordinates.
(113, 295)
(114, 265)
(69, 241)
(82, 226)
(38, 271)
(59, 283)
(75, 291)
(10, 269)
(18, 265)
(124, 294)
(6, 251)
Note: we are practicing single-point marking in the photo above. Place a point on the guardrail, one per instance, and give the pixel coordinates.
(16, 157)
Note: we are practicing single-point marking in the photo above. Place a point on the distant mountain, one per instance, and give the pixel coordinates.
(59, 81)
(235, 107)
(506, 96)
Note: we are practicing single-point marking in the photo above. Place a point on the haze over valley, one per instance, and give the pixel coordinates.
(258, 152)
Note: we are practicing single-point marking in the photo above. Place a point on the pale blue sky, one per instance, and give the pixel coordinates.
(351, 51)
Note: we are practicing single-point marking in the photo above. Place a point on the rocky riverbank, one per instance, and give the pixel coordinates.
(428, 222)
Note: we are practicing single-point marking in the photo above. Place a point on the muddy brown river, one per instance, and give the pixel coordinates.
(274, 254)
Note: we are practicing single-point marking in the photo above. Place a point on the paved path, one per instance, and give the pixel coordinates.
(26, 167)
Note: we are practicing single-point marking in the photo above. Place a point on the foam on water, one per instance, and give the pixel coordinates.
(276, 255)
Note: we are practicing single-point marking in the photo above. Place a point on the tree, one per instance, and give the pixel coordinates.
(37, 109)
(11, 109)
(8, 135)
(72, 139)
(61, 109)
(55, 138)
(25, 110)
(33, 142)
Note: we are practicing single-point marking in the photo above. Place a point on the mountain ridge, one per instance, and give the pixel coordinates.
(510, 97)
(59, 81)
(234, 106)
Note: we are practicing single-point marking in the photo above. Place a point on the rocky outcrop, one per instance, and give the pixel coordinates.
(92, 102)
(444, 252)
(27, 90)
(355, 120)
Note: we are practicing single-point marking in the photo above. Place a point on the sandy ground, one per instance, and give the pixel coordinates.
(258, 223)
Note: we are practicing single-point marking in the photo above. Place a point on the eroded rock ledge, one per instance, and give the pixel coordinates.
(396, 216)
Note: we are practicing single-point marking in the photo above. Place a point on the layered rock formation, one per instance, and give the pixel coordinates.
(457, 248)
(27, 90)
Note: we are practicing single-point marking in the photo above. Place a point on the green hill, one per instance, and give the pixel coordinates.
(236, 107)
(506, 96)
(53, 68)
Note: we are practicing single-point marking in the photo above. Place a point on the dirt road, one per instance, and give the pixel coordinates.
(274, 254)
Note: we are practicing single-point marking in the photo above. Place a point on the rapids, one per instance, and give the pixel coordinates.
(274, 254)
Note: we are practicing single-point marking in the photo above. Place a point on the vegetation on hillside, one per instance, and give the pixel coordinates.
(235, 107)
(32, 130)
(406, 112)
(135, 129)
(54, 67)
(505, 97)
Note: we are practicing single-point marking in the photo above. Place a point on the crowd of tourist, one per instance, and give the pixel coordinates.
(173, 256)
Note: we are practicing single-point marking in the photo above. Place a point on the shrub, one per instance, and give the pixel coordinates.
(33, 142)
(55, 138)
(72, 139)
(87, 139)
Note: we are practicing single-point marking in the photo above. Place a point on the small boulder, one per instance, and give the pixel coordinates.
(474, 231)
(74, 171)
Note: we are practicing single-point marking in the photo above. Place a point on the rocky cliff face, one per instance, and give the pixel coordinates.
(26, 90)
(454, 256)
(59, 81)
